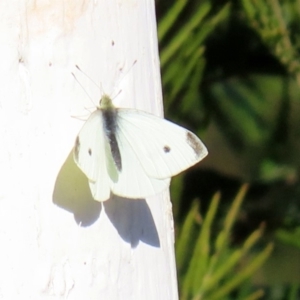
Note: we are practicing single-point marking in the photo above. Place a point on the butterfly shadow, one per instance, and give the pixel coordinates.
(71, 192)
(132, 218)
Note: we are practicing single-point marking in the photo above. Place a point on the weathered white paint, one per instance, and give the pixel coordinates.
(57, 242)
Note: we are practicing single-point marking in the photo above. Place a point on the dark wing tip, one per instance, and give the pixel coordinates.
(195, 144)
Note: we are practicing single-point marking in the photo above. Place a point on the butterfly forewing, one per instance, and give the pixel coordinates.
(164, 149)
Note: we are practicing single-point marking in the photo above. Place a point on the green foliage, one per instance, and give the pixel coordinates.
(209, 267)
(233, 68)
(293, 291)
(182, 49)
(290, 237)
(277, 23)
(254, 114)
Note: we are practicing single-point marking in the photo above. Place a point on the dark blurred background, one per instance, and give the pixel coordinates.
(231, 74)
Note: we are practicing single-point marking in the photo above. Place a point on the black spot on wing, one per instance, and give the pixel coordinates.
(90, 152)
(167, 149)
(194, 143)
(76, 148)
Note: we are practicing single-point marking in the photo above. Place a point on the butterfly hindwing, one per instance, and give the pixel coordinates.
(90, 156)
(133, 181)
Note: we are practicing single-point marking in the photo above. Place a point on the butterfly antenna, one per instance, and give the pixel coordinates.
(124, 75)
(87, 76)
(119, 92)
(83, 88)
(133, 64)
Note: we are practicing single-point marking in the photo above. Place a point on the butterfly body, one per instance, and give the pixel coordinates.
(132, 153)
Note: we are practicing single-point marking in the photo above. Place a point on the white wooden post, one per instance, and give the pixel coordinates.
(56, 241)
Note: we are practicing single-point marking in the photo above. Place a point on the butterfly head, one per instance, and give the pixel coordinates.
(106, 102)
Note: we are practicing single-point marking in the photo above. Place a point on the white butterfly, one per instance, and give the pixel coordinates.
(132, 153)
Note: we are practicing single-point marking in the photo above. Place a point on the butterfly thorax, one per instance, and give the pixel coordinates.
(105, 102)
